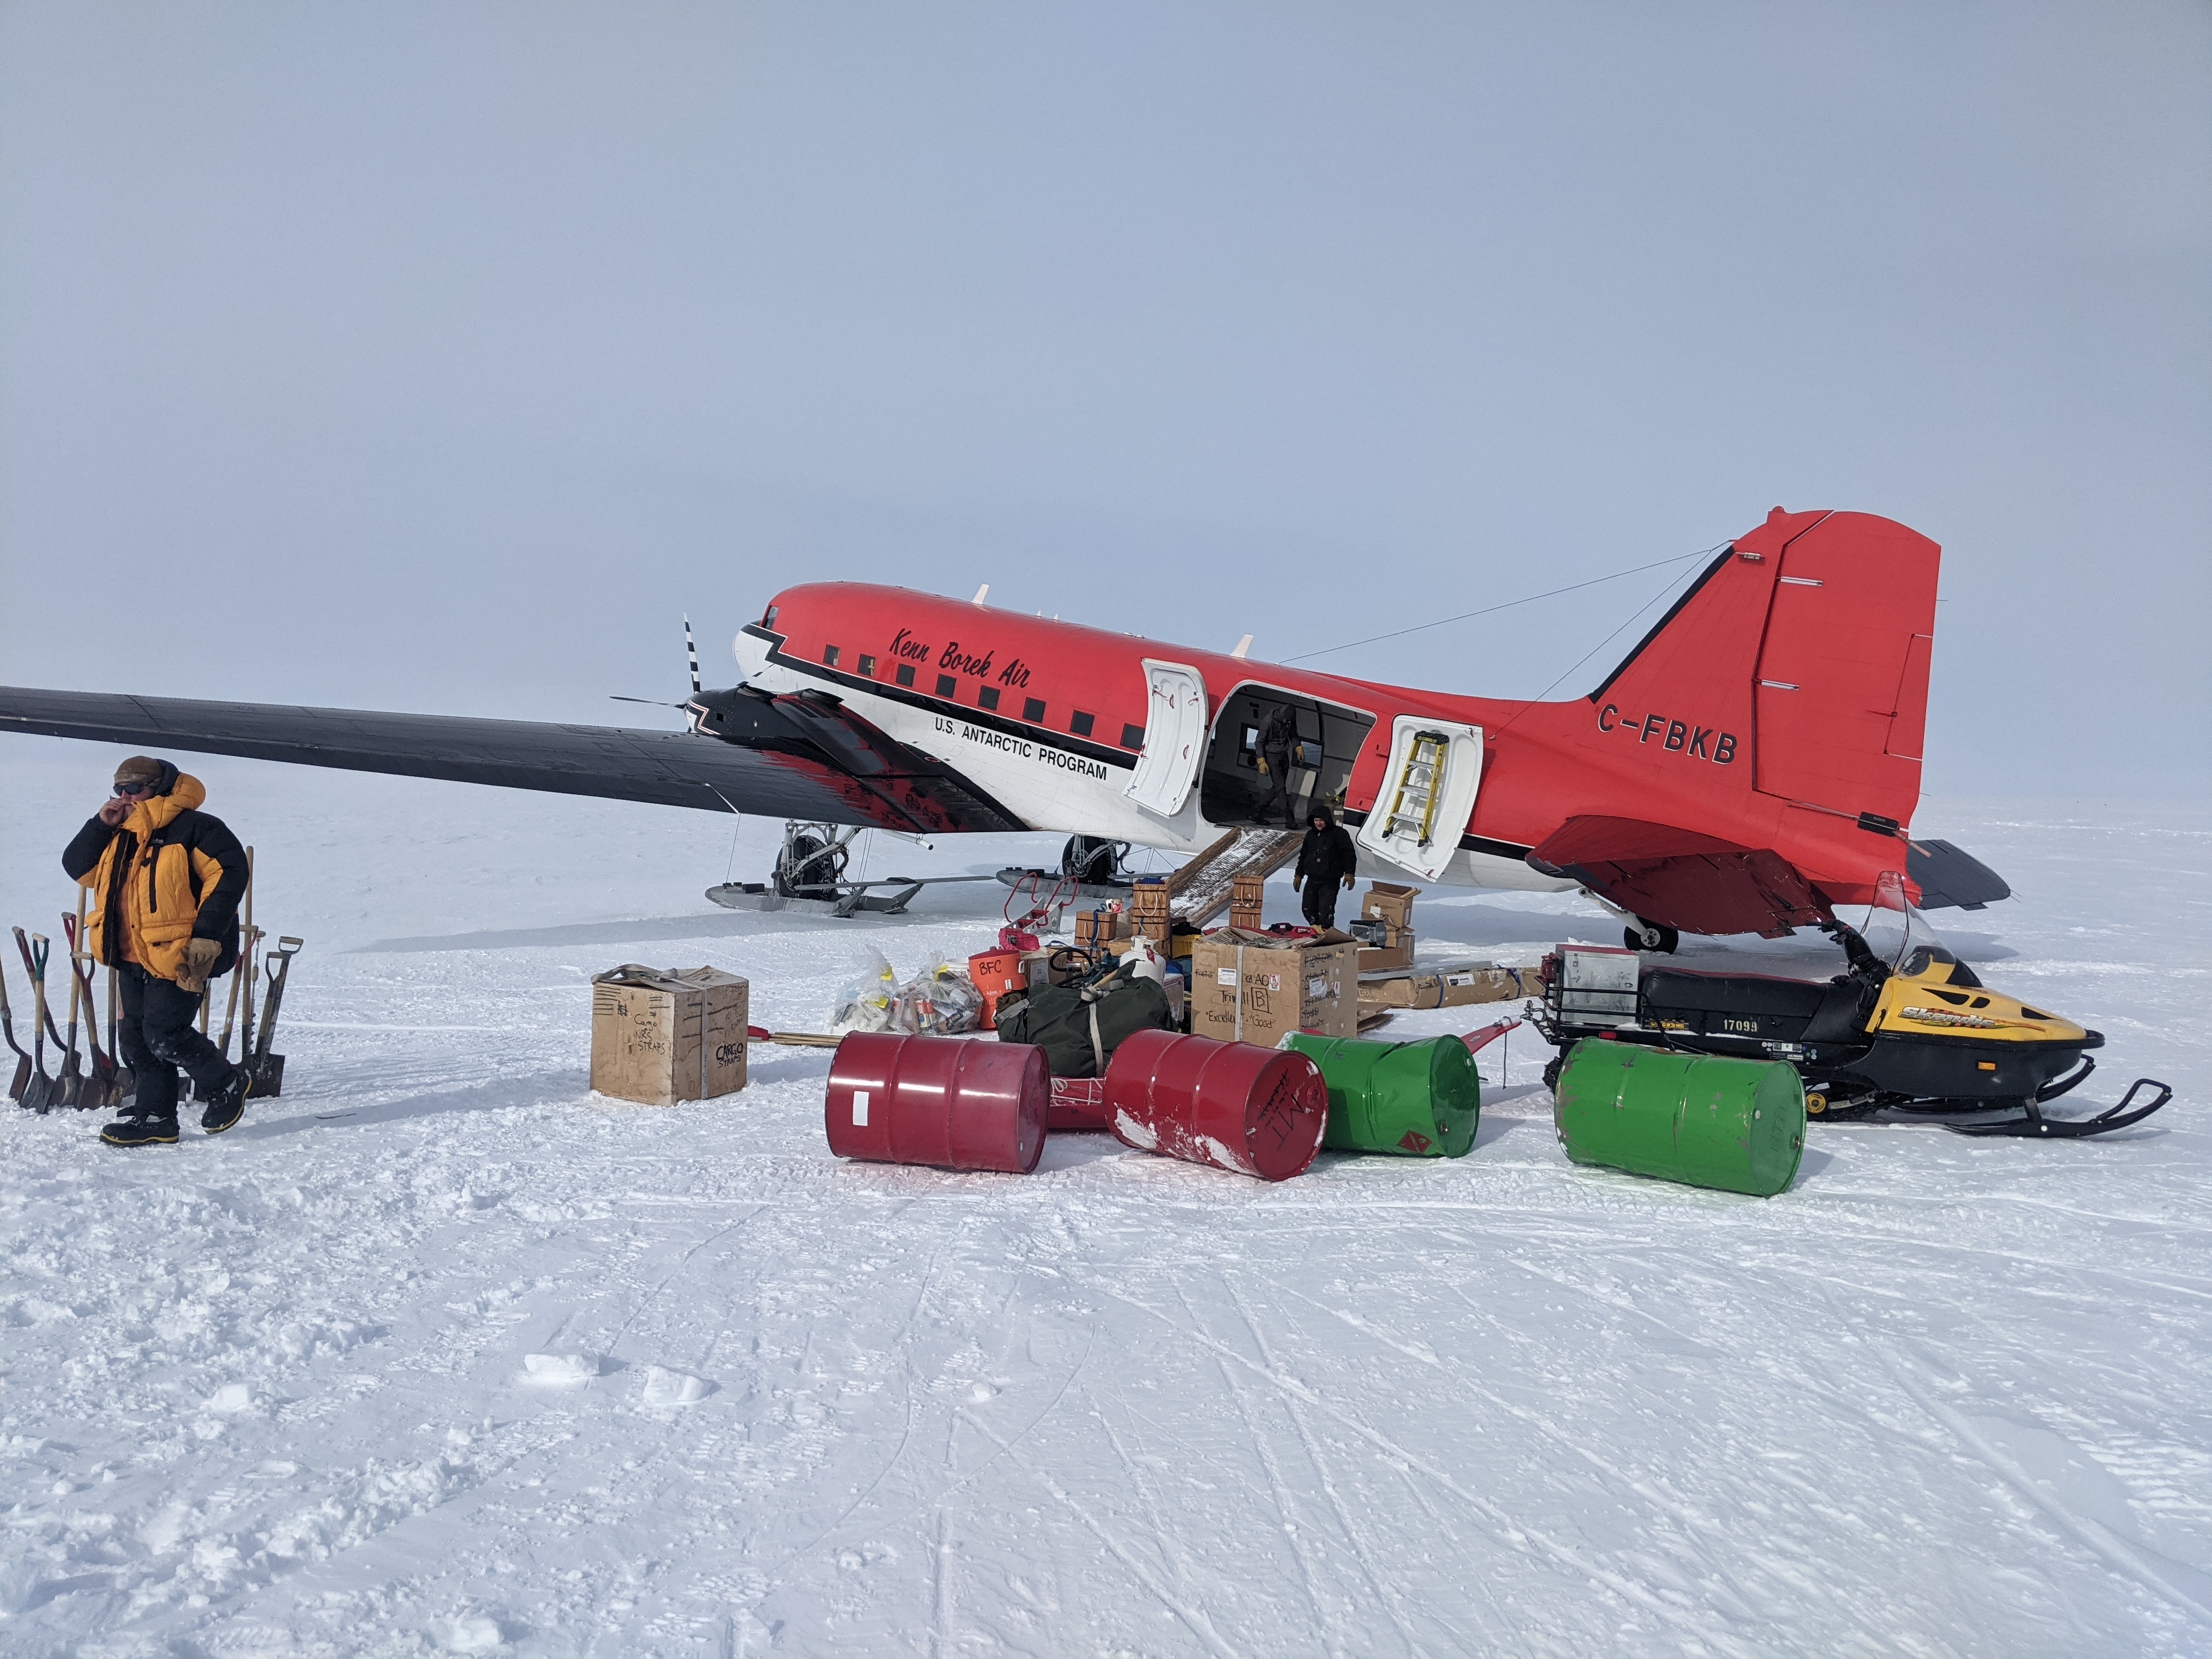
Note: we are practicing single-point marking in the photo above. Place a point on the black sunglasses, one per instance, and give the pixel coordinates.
(134, 788)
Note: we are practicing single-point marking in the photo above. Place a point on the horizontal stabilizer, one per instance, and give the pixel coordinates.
(1696, 884)
(1949, 878)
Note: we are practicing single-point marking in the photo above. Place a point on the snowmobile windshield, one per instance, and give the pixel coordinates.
(1897, 933)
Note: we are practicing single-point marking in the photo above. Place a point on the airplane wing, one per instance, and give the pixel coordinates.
(799, 756)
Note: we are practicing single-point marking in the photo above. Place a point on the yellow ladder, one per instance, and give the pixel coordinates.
(1414, 806)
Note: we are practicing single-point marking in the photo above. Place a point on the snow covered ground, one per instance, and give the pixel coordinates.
(440, 1353)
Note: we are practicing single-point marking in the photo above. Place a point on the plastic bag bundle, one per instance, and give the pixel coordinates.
(865, 1004)
(941, 1001)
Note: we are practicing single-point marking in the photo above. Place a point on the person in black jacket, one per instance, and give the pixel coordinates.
(1326, 858)
(1276, 739)
(165, 880)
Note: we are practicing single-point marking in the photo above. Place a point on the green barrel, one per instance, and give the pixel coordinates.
(1738, 1125)
(1416, 1099)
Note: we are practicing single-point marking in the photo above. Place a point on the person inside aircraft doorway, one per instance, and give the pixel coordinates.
(1279, 741)
(1326, 858)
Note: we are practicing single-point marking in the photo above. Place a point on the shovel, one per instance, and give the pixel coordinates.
(238, 977)
(248, 971)
(99, 1088)
(8, 1026)
(268, 1069)
(39, 1093)
(127, 1080)
(70, 1088)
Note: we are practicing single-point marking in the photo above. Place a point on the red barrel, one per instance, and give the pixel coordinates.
(943, 1101)
(995, 974)
(1258, 1111)
(1077, 1103)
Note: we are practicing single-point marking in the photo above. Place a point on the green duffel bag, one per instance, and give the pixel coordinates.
(1078, 1027)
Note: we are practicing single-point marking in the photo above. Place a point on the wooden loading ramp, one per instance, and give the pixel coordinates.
(1200, 890)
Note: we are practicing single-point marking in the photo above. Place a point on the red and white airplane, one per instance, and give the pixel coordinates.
(1754, 763)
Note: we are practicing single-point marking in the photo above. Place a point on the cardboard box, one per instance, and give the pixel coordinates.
(659, 1037)
(1386, 901)
(1384, 946)
(1257, 988)
(1450, 987)
(1395, 952)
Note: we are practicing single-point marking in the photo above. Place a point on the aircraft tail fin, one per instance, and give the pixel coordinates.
(1801, 654)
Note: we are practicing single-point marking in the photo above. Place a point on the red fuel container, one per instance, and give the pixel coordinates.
(1258, 1111)
(995, 974)
(943, 1101)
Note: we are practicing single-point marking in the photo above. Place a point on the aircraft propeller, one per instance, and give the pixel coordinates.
(691, 650)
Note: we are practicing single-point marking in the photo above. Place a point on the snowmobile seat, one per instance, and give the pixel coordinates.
(1754, 1006)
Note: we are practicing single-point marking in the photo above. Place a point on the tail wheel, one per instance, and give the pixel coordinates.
(1653, 936)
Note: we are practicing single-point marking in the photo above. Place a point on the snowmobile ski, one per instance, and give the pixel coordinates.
(2033, 1125)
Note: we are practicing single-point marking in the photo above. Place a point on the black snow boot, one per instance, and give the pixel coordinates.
(137, 1128)
(226, 1108)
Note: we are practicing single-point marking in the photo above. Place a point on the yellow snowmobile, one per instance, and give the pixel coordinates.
(1914, 1033)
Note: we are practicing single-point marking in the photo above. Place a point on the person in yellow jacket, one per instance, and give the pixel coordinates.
(165, 880)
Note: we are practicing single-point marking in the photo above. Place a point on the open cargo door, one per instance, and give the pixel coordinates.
(1427, 794)
(1174, 739)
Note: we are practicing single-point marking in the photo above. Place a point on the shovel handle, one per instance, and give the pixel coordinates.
(34, 966)
(82, 964)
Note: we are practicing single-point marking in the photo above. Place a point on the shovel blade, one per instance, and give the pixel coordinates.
(268, 1076)
(22, 1079)
(39, 1093)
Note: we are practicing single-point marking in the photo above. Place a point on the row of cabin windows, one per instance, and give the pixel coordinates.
(986, 696)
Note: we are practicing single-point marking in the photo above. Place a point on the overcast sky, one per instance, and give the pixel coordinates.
(440, 356)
